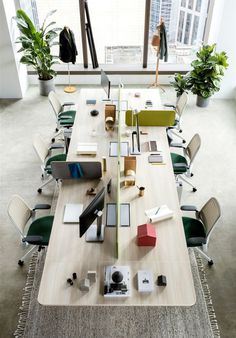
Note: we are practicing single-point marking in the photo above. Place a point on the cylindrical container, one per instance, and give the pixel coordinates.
(104, 163)
(141, 191)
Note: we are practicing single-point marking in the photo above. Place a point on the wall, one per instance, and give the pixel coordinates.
(223, 32)
(13, 75)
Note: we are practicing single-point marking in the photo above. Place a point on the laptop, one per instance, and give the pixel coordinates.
(72, 213)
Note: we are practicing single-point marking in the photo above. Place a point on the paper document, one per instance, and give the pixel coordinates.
(87, 148)
(159, 213)
(72, 213)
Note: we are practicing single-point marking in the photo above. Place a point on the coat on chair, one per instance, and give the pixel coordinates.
(68, 50)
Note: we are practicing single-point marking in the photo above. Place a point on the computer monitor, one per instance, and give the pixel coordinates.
(94, 232)
(106, 84)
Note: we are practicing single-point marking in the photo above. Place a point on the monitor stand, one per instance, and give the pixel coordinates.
(95, 232)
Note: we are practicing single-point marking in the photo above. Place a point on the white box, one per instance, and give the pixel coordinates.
(145, 281)
(87, 149)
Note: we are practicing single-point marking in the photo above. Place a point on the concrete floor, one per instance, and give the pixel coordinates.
(214, 170)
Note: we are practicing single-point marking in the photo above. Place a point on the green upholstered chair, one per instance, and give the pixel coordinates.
(65, 115)
(32, 230)
(182, 164)
(179, 109)
(44, 152)
(198, 230)
(151, 118)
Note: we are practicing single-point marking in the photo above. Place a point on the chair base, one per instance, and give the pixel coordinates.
(21, 260)
(44, 184)
(208, 258)
(186, 181)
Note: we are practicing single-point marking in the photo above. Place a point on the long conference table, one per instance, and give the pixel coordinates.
(68, 253)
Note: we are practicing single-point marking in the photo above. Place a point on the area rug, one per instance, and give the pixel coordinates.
(37, 321)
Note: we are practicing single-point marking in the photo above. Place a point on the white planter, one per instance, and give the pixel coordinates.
(46, 86)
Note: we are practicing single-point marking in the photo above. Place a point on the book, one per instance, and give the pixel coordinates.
(86, 149)
(159, 213)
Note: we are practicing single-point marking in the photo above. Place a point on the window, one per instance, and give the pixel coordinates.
(190, 4)
(195, 30)
(198, 5)
(187, 29)
(183, 3)
(181, 26)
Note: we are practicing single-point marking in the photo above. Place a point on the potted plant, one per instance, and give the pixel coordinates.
(181, 83)
(207, 73)
(36, 46)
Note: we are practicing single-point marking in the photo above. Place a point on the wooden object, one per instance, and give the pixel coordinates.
(146, 235)
(110, 116)
(130, 170)
(68, 252)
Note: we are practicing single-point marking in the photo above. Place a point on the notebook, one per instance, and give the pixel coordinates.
(72, 213)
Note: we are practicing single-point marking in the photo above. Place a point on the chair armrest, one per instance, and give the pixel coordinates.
(188, 208)
(56, 146)
(68, 104)
(169, 105)
(64, 117)
(32, 239)
(177, 145)
(42, 206)
(180, 165)
(196, 240)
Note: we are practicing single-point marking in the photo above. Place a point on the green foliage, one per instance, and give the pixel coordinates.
(36, 45)
(181, 83)
(207, 72)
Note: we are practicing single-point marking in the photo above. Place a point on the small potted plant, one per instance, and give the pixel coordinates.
(36, 46)
(208, 70)
(181, 83)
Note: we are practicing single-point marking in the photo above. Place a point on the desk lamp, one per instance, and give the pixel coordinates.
(135, 134)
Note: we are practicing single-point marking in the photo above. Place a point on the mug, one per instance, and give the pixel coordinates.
(141, 191)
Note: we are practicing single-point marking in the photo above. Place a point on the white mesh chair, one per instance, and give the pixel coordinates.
(198, 230)
(44, 152)
(36, 232)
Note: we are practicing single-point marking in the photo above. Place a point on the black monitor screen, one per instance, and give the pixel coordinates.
(105, 83)
(90, 213)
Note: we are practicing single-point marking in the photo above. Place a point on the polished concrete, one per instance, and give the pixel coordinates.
(214, 169)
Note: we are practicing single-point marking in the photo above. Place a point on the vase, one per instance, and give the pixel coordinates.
(46, 86)
(202, 102)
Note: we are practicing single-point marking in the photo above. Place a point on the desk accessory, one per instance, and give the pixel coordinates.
(92, 102)
(84, 284)
(104, 163)
(124, 149)
(92, 276)
(141, 191)
(155, 158)
(146, 235)
(124, 214)
(110, 117)
(145, 281)
(117, 281)
(161, 280)
(129, 170)
(94, 112)
(159, 213)
(109, 187)
(87, 148)
(91, 191)
(152, 146)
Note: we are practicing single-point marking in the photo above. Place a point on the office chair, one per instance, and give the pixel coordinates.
(39, 230)
(179, 109)
(198, 230)
(65, 117)
(183, 164)
(43, 151)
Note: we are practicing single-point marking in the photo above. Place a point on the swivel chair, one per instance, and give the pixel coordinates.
(43, 151)
(179, 109)
(65, 117)
(39, 230)
(198, 230)
(183, 164)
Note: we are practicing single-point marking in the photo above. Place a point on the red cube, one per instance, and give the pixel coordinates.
(146, 235)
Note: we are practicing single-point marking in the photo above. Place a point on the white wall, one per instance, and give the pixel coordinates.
(13, 75)
(223, 32)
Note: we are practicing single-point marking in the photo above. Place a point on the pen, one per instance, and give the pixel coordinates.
(157, 211)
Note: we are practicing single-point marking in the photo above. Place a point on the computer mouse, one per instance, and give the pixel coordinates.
(117, 277)
(94, 112)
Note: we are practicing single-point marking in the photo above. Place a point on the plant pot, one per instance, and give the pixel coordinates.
(202, 102)
(46, 86)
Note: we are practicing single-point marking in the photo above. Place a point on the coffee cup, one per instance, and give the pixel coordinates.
(141, 191)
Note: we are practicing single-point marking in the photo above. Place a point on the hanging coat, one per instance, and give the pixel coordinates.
(163, 43)
(68, 50)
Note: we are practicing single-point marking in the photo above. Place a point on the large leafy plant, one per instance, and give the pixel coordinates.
(36, 44)
(181, 83)
(207, 71)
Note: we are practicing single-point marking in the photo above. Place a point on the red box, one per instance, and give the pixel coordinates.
(146, 235)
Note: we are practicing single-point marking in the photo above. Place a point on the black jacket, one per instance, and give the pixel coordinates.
(163, 43)
(68, 50)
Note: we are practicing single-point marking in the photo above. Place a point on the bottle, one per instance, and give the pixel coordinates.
(104, 163)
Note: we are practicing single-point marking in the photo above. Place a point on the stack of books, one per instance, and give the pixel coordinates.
(87, 148)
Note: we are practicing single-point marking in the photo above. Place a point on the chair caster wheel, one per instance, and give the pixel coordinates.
(21, 263)
(184, 141)
(180, 131)
(192, 174)
(42, 176)
(194, 189)
(39, 190)
(210, 263)
(57, 129)
(53, 140)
